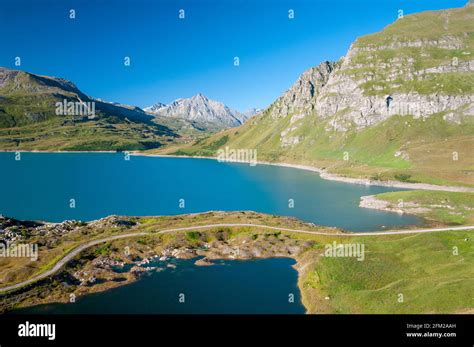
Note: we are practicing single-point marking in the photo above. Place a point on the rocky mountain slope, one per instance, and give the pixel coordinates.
(398, 105)
(421, 65)
(29, 118)
(200, 109)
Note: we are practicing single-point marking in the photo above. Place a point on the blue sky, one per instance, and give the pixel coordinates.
(173, 58)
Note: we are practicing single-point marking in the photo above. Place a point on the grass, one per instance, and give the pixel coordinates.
(422, 267)
(56, 134)
(448, 208)
(429, 143)
(17, 269)
(447, 35)
(413, 27)
(433, 271)
(103, 249)
(28, 120)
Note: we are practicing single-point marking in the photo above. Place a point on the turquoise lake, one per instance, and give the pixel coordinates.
(40, 186)
(262, 286)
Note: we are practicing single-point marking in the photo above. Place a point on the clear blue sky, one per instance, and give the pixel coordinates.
(172, 58)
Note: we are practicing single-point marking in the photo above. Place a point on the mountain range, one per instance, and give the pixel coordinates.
(199, 108)
(29, 119)
(398, 105)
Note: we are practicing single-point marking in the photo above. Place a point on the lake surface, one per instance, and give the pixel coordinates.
(259, 286)
(40, 186)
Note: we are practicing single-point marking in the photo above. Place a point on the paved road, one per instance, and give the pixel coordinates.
(86, 245)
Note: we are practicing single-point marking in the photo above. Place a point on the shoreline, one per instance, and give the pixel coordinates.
(286, 243)
(304, 259)
(198, 261)
(94, 242)
(332, 177)
(367, 182)
(322, 173)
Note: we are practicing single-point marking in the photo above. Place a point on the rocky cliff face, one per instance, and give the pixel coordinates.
(419, 66)
(397, 86)
(301, 97)
(154, 108)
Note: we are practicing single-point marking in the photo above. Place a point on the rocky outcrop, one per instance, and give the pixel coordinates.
(301, 96)
(19, 81)
(203, 262)
(349, 103)
(300, 100)
(388, 73)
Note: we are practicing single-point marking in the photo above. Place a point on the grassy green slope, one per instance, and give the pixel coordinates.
(91, 135)
(430, 145)
(433, 272)
(28, 119)
(447, 208)
(447, 38)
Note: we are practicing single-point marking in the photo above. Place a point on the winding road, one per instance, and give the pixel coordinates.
(69, 256)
